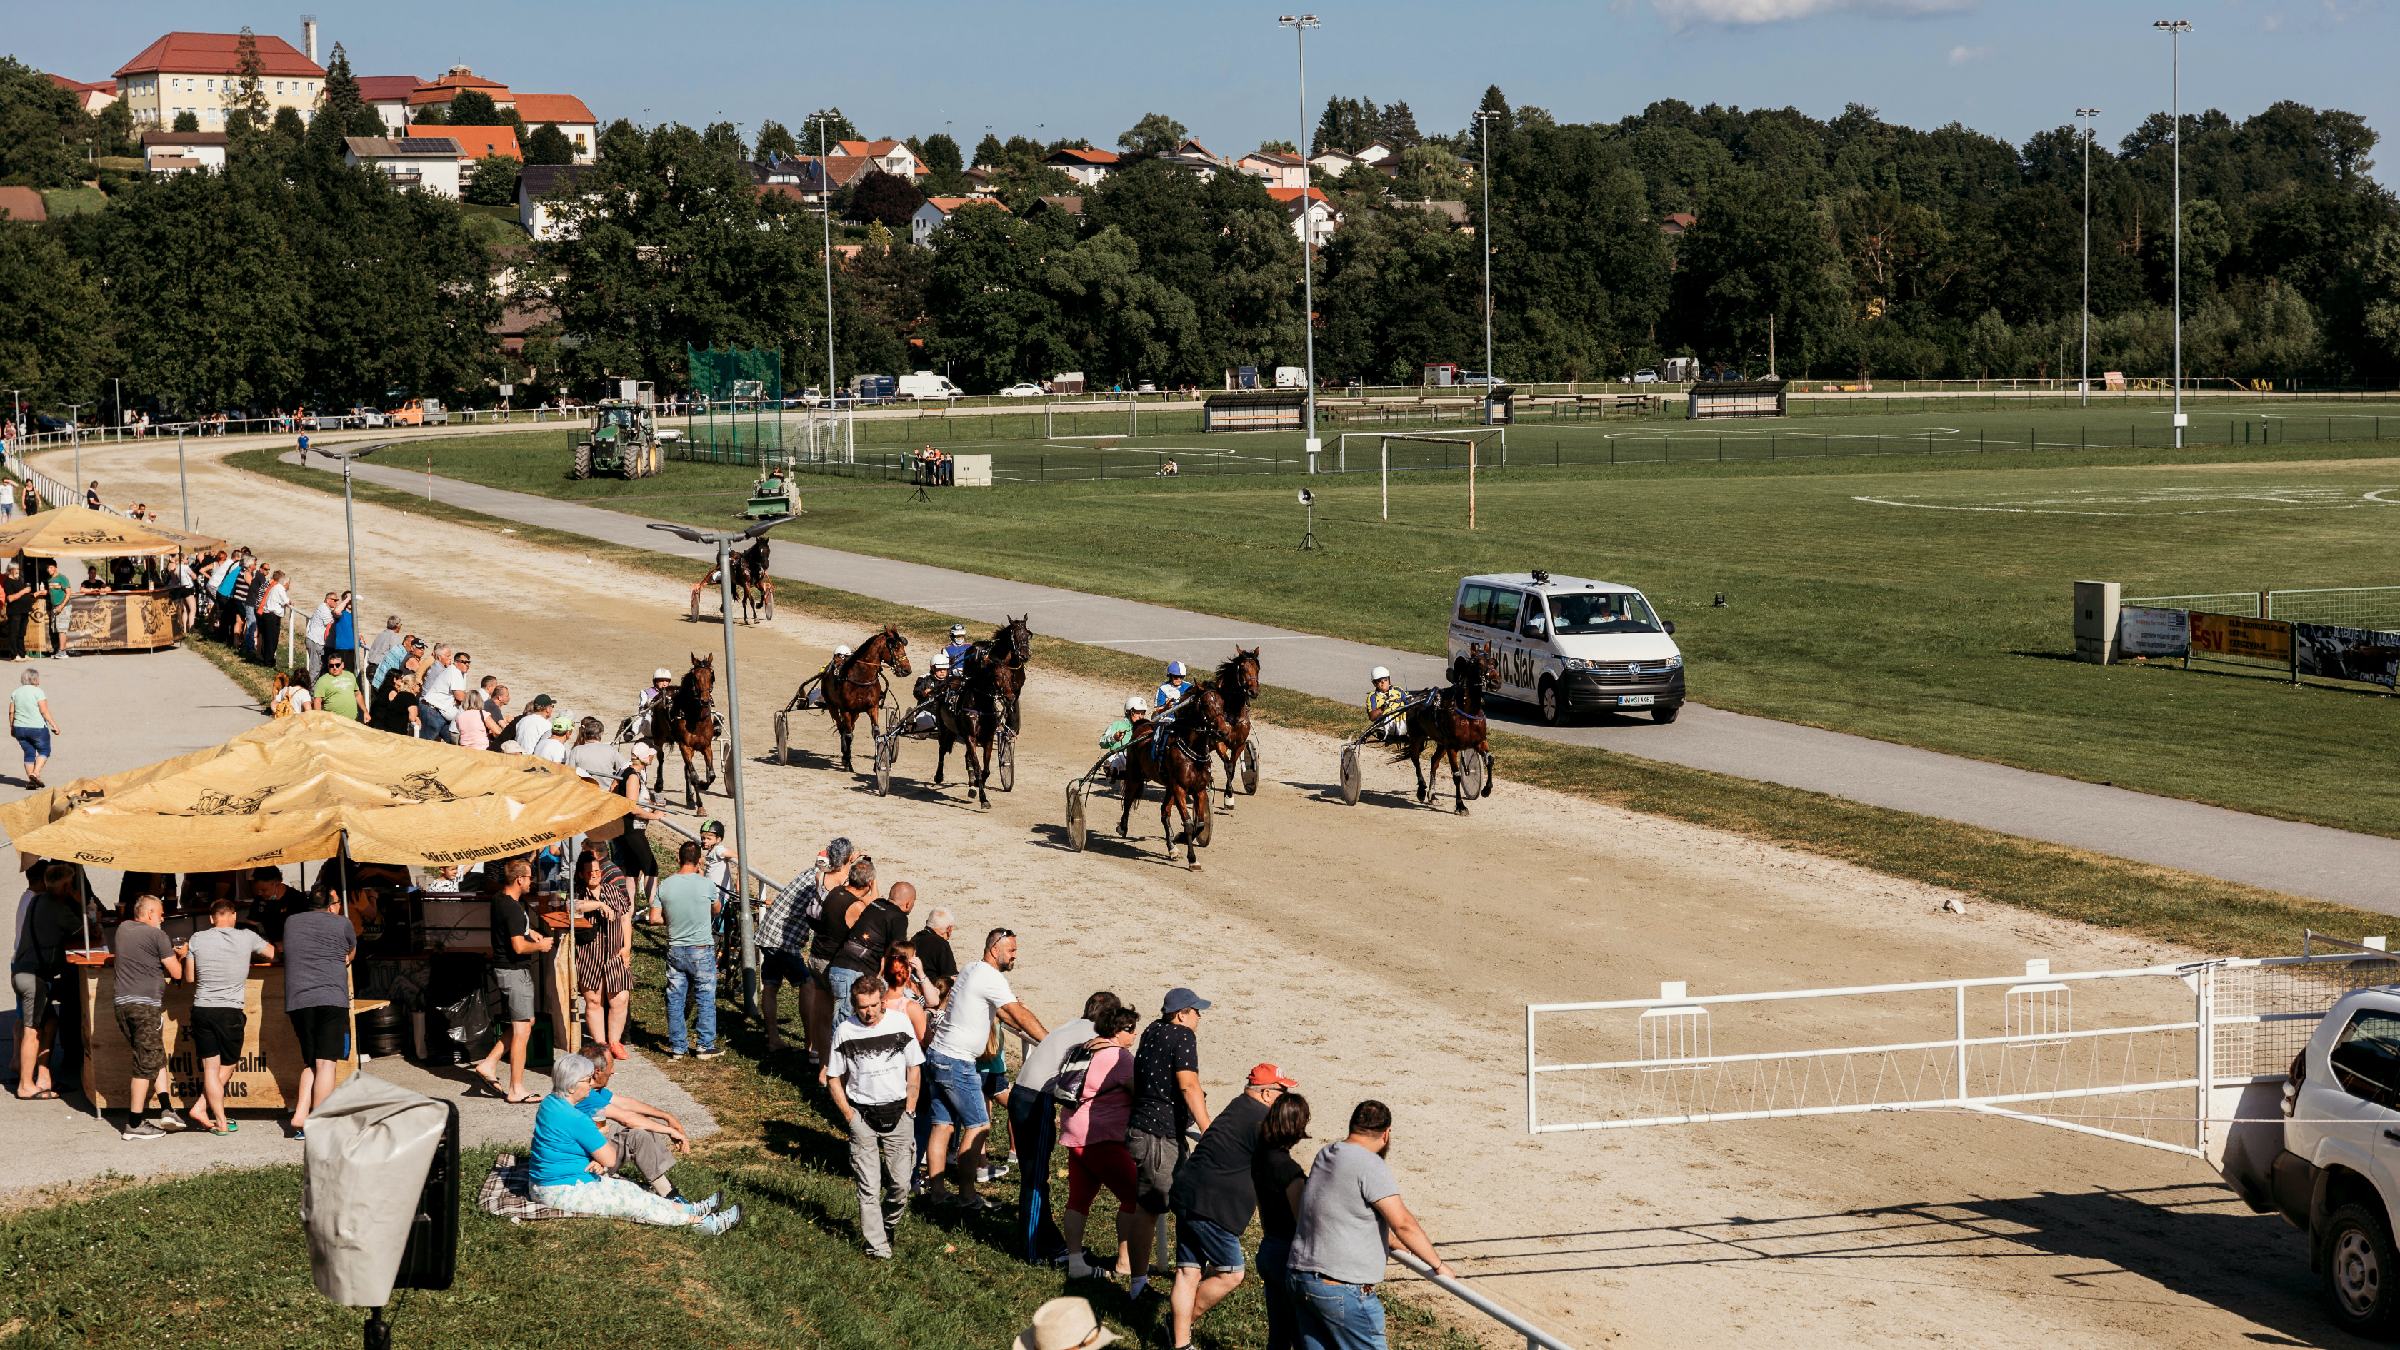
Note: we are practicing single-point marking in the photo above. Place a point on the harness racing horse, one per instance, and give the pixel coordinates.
(853, 685)
(751, 584)
(1178, 761)
(686, 720)
(1012, 648)
(1226, 696)
(1452, 722)
(969, 715)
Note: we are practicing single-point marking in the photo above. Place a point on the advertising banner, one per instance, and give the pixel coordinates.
(2153, 632)
(2360, 654)
(2236, 636)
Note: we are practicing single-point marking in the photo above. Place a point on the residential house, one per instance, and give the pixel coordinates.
(1277, 168)
(1318, 220)
(453, 82)
(569, 115)
(814, 177)
(171, 152)
(198, 73)
(1332, 163)
(1069, 205)
(540, 189)
(91, 97)
(476, 143)
(1676, 223)
(1086, 166)
(891, 156)
(429, 163)
(936, 213)
(1195, 158)
(1377, 154)
(388, 96)
(23, 205)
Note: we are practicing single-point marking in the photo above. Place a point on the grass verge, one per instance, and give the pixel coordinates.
(2051, 879)
(223, 1261)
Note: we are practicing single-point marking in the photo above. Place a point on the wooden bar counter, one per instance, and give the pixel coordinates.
(122, 621)
(269, 1071)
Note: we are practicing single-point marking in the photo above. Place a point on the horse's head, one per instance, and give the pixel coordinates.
(1017, 638)
(895, 647)
(1244, 666)
(701, 679)
(1477, 668)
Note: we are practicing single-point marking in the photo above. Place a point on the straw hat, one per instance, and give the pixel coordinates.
(1065, 1324)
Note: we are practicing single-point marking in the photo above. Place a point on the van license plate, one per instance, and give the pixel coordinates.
(1636, 700)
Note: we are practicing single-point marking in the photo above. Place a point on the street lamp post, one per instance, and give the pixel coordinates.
(1300, 24)
(824, 206)
(1483, 119)
(117, 388)
(723, 543)
(183, 485)
(2175, 29)
(75, 437)
(2084, 384)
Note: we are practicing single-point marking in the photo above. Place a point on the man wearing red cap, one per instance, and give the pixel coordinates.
(1214, 1199)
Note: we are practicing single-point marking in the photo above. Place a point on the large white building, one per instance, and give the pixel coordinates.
(197, 73)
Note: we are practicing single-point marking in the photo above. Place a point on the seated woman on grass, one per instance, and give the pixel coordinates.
(574, 1166)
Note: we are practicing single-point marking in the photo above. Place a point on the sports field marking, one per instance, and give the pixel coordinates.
(2164, 501)
(1780, 430)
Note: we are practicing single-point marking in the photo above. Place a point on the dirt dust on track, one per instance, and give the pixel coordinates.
(1387, 950)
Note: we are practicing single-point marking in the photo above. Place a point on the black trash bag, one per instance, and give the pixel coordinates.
(474, 1021)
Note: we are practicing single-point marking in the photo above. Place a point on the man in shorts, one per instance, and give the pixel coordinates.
(514, 945)
(964, 1028)
(221, 957)
(146, 959)
(1167, 1101)
(318, 946)
(784, 930)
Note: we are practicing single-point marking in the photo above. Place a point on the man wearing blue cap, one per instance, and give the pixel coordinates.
(1167, 1102)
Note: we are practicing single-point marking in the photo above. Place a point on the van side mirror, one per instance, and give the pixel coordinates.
(1670, 628)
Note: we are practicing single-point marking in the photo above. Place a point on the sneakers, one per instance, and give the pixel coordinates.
(992, 1173)
(1080, 1269)
(141, 1129)
(708, 1206)
(720, 1221)
(673, 1053)
(712, 1052)
(170, 1123)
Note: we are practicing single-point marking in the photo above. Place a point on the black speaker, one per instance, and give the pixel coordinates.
(431, 1260)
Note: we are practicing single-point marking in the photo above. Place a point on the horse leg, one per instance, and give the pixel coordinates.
(1416, 752)
(1131, 789)
(1231, 753)
(844, 724)
(1169, 802)
(1491, 768)
(941, 756)
(1458, 782)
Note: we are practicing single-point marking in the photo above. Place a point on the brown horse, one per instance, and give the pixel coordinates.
(1452, 722)
(852, 685)
(1011, 647)
(751, 584)
(1227, 696)
(686, 721)
(1178, 762)
(968, 715)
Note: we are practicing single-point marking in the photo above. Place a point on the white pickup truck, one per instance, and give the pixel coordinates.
(2335, 1171)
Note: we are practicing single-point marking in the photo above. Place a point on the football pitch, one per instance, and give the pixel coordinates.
(1912, 596)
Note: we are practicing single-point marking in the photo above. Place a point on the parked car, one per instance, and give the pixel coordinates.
(45, 423)
(1478, 378)
(1023, 389)
(873, 388)
(368, 417)
(1645, 376)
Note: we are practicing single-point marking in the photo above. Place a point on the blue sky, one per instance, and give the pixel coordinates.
(1081, 68)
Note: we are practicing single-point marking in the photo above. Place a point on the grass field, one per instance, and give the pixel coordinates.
(1913, 597)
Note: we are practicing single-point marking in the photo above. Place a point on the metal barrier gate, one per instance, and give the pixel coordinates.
(2142, 1056)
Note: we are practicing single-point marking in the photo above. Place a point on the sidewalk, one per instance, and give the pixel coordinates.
(2311, 860)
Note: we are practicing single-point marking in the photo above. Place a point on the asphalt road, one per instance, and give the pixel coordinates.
(2311, 860)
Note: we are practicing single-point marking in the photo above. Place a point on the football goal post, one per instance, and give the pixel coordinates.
(1469, 448)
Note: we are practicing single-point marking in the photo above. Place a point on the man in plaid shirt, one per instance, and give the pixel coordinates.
(783, 934)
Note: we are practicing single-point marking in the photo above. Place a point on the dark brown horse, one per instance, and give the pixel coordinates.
(686, 721)
(1011, 647)
(1178, 762)
(1227, 696)
(751, 583)
(968, 715)
(1452, 723)
(852, 686)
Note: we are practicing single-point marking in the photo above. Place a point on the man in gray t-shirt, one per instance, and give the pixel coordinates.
(146, 958)
(1350, 1203)
(221, 958)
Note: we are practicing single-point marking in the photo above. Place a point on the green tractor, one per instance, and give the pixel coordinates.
(622, 442)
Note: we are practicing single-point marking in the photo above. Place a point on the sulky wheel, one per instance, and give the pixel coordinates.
(1350, 775)
(1475, 767)
(885, 753)
(1005, 770)
(1250, 768)
(1076, 828)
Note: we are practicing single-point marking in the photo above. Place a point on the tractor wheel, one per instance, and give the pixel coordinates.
(583, 462)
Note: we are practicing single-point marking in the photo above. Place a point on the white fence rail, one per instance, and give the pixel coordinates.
(2133, 1055)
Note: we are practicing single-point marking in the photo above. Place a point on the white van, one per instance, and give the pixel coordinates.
(1567, 645)
(927, 385)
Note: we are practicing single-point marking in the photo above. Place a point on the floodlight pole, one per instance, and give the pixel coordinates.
(825, 209)
(2175, 29)
(183, 485)
(1483, 119)
(2084, 384)
(75, 437)
(1300, 24)
(733, 729)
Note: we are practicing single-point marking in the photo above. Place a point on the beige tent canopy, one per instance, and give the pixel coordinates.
(297, 789)
(80, 532)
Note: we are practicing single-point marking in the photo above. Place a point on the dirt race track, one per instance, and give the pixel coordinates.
(1387, 950)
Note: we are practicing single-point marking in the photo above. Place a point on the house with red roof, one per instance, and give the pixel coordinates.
(91, 97)
(1317, 221)
(936, 213)
(476, 143)
(566, 112)
(893, 157)
(1277, 168)
(1083, 164)
(388, 96)
(199, 72)
(450, 84)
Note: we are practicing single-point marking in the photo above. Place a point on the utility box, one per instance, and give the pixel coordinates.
(2096, 604)
(970, 471)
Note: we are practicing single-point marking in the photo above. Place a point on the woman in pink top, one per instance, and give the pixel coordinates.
(1094, 1136)
(473, 732)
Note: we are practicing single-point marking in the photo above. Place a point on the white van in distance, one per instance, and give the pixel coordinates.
(927, 385)
(1567, 645)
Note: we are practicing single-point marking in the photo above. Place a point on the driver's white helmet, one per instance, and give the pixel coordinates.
(662, 673)
(841, 651)
(941, 660)
(958, 630)
(1136, 704)
(1379, 673)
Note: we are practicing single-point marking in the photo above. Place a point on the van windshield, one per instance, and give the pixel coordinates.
(1578, 612)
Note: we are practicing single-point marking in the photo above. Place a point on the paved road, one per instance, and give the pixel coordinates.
(2356, 869)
